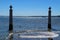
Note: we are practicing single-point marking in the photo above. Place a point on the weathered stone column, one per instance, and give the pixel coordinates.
(10, 23)
(49, 21)
(10, 19)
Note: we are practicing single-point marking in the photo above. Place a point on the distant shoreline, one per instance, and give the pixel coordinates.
(30, 16)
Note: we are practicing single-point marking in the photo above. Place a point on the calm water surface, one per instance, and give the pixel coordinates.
(27, 23)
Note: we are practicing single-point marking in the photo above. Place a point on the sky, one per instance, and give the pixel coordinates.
(29, 7)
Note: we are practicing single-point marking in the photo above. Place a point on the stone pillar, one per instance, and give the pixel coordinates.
(10, 19)
(49, 22)
(49, 19)
(10, 23)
